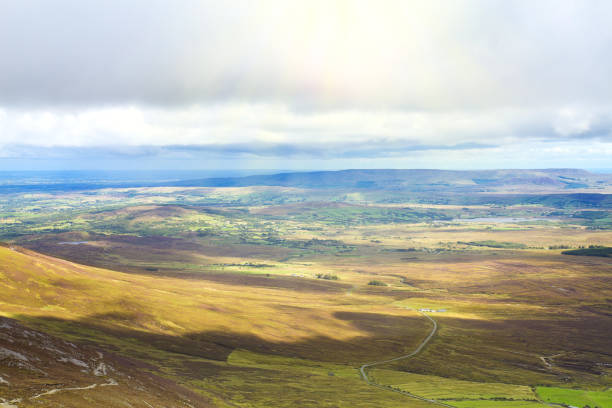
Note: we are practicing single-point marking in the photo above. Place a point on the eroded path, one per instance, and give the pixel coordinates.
(111, 382)
(365, 377)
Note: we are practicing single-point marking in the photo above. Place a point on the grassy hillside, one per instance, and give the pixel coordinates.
(262, 296)
(188, 329)
(241, 338)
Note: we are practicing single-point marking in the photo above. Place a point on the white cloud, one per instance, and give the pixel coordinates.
(232, 124)
(293, 76)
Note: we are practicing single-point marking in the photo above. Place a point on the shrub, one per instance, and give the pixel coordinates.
(326, 276)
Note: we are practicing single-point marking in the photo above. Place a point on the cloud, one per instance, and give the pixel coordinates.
(367, 149)
(308, 79)
(306, 55)
(268, 130)
(570, 153)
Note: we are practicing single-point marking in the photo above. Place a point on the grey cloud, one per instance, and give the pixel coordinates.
(375, 148)
(368, 149)
(441, 54)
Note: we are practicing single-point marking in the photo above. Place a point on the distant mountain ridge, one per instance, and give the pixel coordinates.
(419, 180)
(545, 181)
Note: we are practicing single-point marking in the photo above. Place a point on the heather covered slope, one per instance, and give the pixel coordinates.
(257, 339)
(275, 296)
(216, 338)
(37, 369)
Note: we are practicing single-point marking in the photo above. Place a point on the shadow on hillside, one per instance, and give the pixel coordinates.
(511, 345)
(386, 336)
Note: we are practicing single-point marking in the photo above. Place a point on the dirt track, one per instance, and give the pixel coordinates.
(362, 369)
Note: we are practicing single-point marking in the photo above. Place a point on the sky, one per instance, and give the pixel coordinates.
(147, 84)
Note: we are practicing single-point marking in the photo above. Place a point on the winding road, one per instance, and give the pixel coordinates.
(364, 375)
